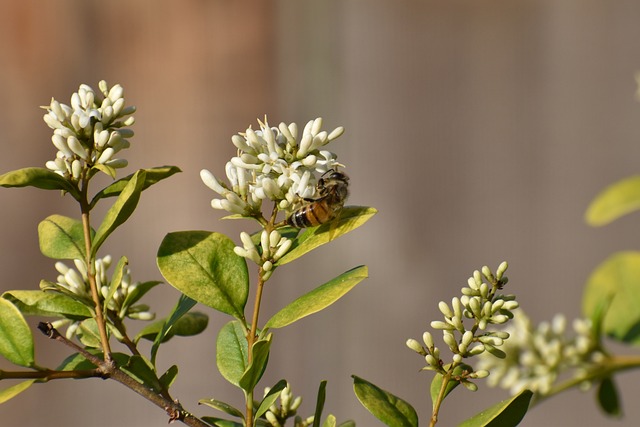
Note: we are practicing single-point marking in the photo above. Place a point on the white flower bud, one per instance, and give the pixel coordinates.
(246, 240)
(432, 361)
(457, 358)
(264, 242)
(428, 340)
(61, 144)
(212, 182)
(501, 269)
(285, 245)
(444, 309)
(77, 148)
(415, 346)
(106, 155)
(336, 133)
(267, 266)
(76, 169)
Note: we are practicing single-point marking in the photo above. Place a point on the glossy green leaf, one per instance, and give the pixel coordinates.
(37, 177)
(167, 379)
(49, 304)
(61, 237)
(270, 398)
(436, 383)
(319, 298)
(219, 422)
(16, 340)
(116, 279)
(614, 201)
(11, 392)
(232, 352)
(351, 217)
(322, 395)
(507, 413)
(259, 359)
(386, 407)
(608, 398)
(120, 211)
(203, 266)
(616, 280)
(152, 176)
(223, 407)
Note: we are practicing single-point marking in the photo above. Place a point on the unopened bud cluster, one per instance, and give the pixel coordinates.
(271, 248)
(538, 356)
(277, 415)
(273, 163)
(465, 324)
(75, 283)
(89, 132)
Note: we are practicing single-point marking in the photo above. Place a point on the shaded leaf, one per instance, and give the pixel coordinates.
(322, 395)
(259, 359)
(351, 217)
(232, 352)
(203, 266)
(182, 307)
(507, 413)
(270, 398)
(219, 422)
(152, 176)
(61, 237)
(77, 362)
(116, 279)
(167, 379)
(142, 371)
(319, 298)
(120, 211)
(38, 177)
(222, 406)
(614, 201)
(436, 383)
(386, 407)
(139, 291)
(188, 325)
(11, 392)
(89, 334)
(39, 303)
(608, 398)
(617, 279)
(16, 340)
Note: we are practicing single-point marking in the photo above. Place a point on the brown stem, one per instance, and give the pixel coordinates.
(108, 369)
(47, 374)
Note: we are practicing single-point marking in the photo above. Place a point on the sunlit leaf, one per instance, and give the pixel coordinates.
(219, 422)
(49, 304)
(617, 279)
(203, 266)
(61, 237)
(16, 340)
(11, 392)
(223, 407)
(232, 352)
(436, 382)
(39, 178)
(509, 412)
(116, 279)
(351, 217)
(255, 369)
(617, 200)
(386, 407)
(270, 398)
(319, 298)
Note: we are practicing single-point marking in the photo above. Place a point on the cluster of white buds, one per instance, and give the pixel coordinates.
(278, 415)
(90, 132)
(465, 323)
(77, 282)
(273, 163)
(272, 247)
(121, 304)
(537, 357)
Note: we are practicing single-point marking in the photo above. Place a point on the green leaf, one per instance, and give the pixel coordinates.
(219, 422)
(319, 298)
(203, 266)
(330, 421)
(259, 359)
(167, 379)
(507, 413)
(184, 305)
(436, 383)
(14, 390)
(120, 211)
(232, 351)
(152, 176)
(224, 407)
(77, 362)
(614, 201)
(351, 217)
(89, 334)
(617, 279)
(116, 279)
(270, 398)
(61, 237)
(322, 394)
(39, 303)
(386, 407)
(16, 340)
(348, 423)
(138, 292)
(608, 398)
(40, 178)
(142, 371)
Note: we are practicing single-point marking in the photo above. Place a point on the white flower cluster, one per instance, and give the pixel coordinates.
(90, 131)
(273, 163)
(537, 357)
(278, 415)
(273, 246)
(479, 303)
(76, 281)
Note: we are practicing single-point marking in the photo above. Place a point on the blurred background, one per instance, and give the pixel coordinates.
(480, 130)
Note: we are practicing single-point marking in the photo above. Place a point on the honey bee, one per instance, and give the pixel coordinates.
(333, 190)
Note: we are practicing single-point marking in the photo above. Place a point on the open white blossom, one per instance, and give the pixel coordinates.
(89, 132)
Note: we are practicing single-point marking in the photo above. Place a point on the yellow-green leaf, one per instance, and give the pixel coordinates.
(614, 201)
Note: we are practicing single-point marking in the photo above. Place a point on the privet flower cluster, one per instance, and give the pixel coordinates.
(278, 415)
(277, 164)
(466, 322)
(75, 283)
(538, 356)
(90, 131)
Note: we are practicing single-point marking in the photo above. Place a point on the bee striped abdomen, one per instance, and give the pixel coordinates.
(311, 215)
(333, 190)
